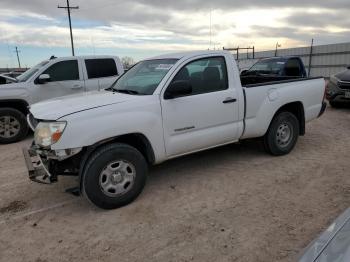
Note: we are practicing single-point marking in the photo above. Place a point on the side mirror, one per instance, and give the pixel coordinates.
(44, 78)
(177, 89)
(348, 67)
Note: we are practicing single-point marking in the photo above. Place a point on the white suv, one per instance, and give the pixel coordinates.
(49, 79)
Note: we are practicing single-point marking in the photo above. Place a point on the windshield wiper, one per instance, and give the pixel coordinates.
(126, 91)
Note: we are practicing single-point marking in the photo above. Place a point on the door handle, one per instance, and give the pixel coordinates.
(229, 100)
(76, 86)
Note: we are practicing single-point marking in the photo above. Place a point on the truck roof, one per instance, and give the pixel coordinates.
(85, 57)
(189, 54)
(279, 58)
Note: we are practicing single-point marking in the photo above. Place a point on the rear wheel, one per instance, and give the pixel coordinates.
(114, 176)
(282, 134)
(13, 125)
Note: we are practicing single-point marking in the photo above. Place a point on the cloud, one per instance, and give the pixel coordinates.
(167, 25)
(321, 19)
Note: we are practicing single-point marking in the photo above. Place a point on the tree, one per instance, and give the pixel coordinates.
(128, 62)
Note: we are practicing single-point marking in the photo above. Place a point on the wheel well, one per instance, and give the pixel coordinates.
(140, 142)
(20, 105)
(136, 140)
(297, 109)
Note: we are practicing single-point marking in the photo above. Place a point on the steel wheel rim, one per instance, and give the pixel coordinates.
(9, 127)
(117, 178)
(284, 135)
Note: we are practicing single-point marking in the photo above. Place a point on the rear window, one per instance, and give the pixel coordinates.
(269, 66)
(97, 68)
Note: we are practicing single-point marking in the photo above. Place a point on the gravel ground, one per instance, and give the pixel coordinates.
(233, 203)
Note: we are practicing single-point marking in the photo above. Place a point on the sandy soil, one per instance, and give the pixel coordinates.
(233, 203)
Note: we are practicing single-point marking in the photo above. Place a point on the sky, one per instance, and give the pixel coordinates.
(145, 28)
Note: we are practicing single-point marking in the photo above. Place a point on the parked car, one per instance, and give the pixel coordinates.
(274, 69)
(332, 245)
(338, 88)
(51, 78)
(163, 108)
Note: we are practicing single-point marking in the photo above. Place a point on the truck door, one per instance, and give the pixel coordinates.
(101, 73)
(208, 115)
(65, 79)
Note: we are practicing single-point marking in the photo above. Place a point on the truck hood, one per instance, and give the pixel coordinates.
(11, 79)
(344, 76)
(56, 108)
(17, 85)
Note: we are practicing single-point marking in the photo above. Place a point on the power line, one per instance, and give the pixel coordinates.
(19, 62)
(68, 8)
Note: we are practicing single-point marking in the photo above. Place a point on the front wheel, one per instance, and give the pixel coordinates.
(282, 134)
(114, 176)
(13, 125)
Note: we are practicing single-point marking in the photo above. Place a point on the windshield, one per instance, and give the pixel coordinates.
(144, 77)
(269, 66)
(27, 74)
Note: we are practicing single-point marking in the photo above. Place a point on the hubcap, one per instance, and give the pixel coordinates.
(117, 178)
(9, 126)
(284, 135)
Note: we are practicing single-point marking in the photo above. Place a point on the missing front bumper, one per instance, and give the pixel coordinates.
(37, 168)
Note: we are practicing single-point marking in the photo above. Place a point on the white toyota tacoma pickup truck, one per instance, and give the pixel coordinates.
(162, 108)
(49, 79)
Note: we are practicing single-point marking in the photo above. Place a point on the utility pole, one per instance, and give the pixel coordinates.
(277, 46)
(70, 23)
(19, 62)
(241, 48)
(310, 57)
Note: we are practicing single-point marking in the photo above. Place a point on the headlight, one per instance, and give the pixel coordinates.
(48, 133)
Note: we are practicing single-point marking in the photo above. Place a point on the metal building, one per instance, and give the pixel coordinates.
(326, 60)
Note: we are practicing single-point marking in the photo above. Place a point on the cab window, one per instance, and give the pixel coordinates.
(98, 68)
(205, 75)
(292, 68)
(63, 71)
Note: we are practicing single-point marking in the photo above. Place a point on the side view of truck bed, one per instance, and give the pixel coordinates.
(265, 99)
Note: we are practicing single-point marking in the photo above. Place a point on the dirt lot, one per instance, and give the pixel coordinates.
(233, 203)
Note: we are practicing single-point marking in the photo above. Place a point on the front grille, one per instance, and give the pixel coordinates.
(32, 122)
(344, 85)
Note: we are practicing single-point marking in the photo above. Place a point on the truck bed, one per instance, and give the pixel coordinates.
(281, 81)
(263, 99)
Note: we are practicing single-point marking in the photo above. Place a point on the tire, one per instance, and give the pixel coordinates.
(282, 134)
(13, 125)
(110, 170)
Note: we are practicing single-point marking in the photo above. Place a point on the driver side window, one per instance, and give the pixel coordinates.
(63, 71)
(205, 75)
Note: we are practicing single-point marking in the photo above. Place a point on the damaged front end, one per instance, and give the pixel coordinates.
(44, 165)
